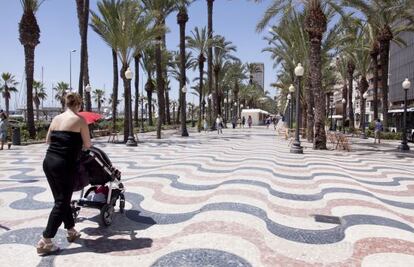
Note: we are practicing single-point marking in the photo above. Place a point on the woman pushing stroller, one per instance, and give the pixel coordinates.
(67, 134)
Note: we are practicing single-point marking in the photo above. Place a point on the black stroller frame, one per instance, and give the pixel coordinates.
(97, 166)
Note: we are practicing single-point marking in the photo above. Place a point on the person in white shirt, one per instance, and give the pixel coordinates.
(219, 124)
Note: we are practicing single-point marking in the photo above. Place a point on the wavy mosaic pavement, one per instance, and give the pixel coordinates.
(239, 199)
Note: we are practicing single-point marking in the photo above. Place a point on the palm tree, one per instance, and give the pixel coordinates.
(148, 63)
(252, 68)
(182, 18)
(82, 7)
(160, 9)
(388, 19)
(61, 90)
(222, 53)
(102, 26)
(199, 42)
(237, 73)
(7, 87)
(29, 32)
(39, 94)
(125, 25)
(315, 26)
(210, 57)
(99, 97)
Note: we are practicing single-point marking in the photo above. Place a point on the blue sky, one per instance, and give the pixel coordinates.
(235, 19)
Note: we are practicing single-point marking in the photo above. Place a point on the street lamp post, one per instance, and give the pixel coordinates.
(88, 90)
(404, 146)
(343, 115)
(289, 98)
(291, 91)
(184, 131)
(296, 147)
(131, 139)
(364, 99)
(332, 111)
(70, 68)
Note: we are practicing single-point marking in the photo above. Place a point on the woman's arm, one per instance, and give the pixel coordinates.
(86, 138)
(51, 127)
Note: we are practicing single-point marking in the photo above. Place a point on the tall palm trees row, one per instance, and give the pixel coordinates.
(356, 42)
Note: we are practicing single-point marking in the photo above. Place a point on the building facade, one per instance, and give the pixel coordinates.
(258, 75)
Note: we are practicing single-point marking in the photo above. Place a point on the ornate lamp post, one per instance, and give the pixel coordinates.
(184, 131)
(131, 140)
(404, 146)
(343, 115)
(235, 110)
(88, 90)
(296, 147)
(364, 99)
(289, 98)
(70, 68)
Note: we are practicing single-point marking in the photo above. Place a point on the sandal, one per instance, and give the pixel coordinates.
(72, 235)
(45, 248)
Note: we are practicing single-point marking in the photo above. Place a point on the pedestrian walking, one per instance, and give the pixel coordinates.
(377, 131)
(205, 125)
(250, 121)
(67, 133)
(219, 124)
(234, 122)
(4, 124)
(243, 121)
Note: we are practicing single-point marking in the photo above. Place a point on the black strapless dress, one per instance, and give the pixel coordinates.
(59, 166)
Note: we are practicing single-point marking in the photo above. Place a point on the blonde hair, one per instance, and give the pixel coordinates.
(73, 100)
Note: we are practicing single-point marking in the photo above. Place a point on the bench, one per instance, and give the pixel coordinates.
(113, 137)
(339, 140)
(101, 132)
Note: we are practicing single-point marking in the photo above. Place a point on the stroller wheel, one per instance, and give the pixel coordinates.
(121, 203)
(107, 212)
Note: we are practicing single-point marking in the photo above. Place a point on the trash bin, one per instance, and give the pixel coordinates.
(16, 138)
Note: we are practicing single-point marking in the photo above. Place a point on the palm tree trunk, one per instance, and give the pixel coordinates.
(374, 57)
(167, 105)
(160, 89)
(344, 105)
(167, 116)
(29, 68)
(351, 69)
(182, 18)
(149, 98)
(210, 58)
(7, 99)
(136, 103)
(114, 89)
(384, 58)
(99, 105)
(201, 60)
(363, 88)
(85, 59)
(80, 6)
(310, 104)
(217, 96)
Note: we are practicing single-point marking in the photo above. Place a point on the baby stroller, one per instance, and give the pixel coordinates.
(96, 169)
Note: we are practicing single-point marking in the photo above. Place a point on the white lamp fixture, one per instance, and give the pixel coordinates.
(241, 105)
(184, 89)
(343, 101)
(235, 104)
(299, 70)
(289, 97)
(406, 84)
(129, 74)
(291, 88)
(88, 88)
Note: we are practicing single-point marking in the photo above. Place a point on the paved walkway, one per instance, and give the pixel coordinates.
(239, 199)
